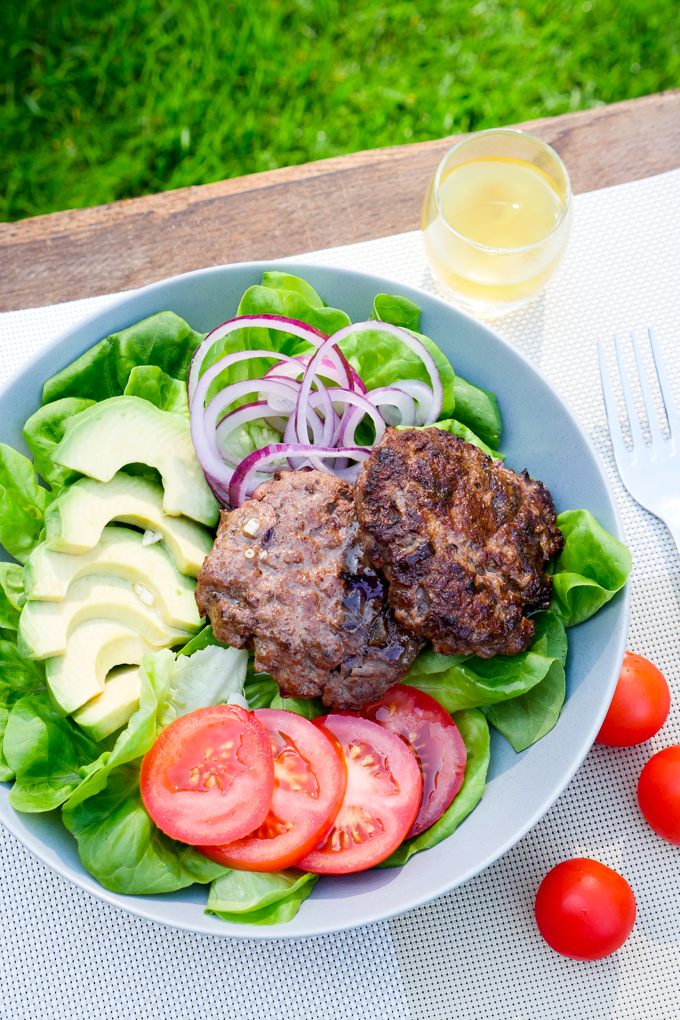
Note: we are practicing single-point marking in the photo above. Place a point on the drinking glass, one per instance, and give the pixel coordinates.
(496, 220)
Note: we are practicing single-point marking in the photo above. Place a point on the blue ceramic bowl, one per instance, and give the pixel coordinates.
(540, 433)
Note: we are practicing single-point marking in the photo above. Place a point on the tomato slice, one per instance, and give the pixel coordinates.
(209, 777)
(381, 799)
(309, 783)
(433, 737)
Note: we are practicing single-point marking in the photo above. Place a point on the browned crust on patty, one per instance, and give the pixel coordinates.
(462, 541)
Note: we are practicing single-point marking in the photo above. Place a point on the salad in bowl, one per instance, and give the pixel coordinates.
(311, 689)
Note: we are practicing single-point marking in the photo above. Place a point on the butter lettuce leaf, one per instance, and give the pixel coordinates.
(590, 570)
(526, 719)
(12, 595)
(213, 675)
(153, 384)
(463, 432)
(22, 504)
(164, 340)
(43, 432)
(18, 679)
(398, 310)
(475, 733)
(251, 897)
(46, 752)
(124, 850)
(478, 409)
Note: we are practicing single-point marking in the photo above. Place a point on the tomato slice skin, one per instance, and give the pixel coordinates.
(209, 777)
(584, 910)
(659, 793)
(309, 783)
(383, 792)
(433, 737)
(640, 704)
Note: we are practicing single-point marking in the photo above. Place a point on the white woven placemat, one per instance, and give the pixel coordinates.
(474, 954)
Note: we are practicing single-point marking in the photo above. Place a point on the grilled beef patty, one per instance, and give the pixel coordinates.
(287, 578)
(462, 541)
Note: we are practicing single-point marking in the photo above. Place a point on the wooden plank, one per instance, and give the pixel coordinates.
(337, 201)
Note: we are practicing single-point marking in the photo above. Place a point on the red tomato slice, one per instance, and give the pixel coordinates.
(209, 777)
(584, 910)
(309, 783)
(433, 737)
(383, 792)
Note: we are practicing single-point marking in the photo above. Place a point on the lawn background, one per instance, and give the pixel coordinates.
(102, 101)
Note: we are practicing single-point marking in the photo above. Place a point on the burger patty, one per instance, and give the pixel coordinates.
(462, 541)
(287, 578)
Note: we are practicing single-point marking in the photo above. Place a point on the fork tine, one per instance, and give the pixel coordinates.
(621, 452)
(647, 399)
(633, 420)
(666, 391)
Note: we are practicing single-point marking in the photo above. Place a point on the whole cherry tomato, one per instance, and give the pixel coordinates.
(659, 793)
(584, 910)
(640, 704)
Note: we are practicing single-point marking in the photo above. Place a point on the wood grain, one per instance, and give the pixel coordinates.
(343, 200)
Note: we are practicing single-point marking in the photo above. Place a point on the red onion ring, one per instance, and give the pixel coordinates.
(243, 482)
(266, 321)
(412, 343)
(393, 397)
(421, 393)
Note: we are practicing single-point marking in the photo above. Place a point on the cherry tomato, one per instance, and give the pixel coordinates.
(209, 777)
(640, 704)
(659, 793)
(309, 783)
(433, 737)
(584, 910)
(381, 799)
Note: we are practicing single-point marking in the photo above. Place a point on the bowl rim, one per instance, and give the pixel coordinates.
(135, 904)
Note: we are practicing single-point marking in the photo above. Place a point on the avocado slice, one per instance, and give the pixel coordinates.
(112, 707)
(130, 430)
(93, 649)
(45, 627)
(120, 552)
(74, 521)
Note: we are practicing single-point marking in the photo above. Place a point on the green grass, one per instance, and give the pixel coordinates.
(101, 101)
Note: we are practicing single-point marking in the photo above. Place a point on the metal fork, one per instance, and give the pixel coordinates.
(650, 472)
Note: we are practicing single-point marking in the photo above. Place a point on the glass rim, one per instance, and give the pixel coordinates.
(503, 131)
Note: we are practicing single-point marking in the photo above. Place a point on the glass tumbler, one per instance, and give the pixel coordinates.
(496, 220)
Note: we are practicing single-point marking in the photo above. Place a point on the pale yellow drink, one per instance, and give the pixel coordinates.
(494, 227)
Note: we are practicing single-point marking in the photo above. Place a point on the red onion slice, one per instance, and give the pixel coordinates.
(328, 369)
(421, 393)
(390, 396)
(293, 326)
(412, 343)
(244, 483)
(233, 420)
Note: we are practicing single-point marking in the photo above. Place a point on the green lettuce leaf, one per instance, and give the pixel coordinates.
(526, 719)
(284, 281)
(153, 384)
(478, 409)
(476, 681)
(400, 311)
(203, 639)
(308, 708)
(251, 897)
(550, 637)
(212, 675)
(590, 570)
(260, 689)
(124, 850)
(46, 752)
(381, 359)
(296, 300)
(22, 504)
(18, 678)
(163, 339)
(43, 432)
(475, 733)
(12, 595)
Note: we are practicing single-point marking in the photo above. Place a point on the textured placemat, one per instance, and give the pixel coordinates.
(475, 953)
